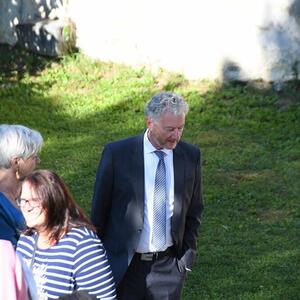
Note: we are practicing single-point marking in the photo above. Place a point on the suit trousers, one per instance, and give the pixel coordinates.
(161, 279)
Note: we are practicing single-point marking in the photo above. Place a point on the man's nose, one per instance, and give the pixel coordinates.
(176, 134)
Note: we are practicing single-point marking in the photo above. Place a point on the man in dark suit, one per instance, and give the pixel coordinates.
(147, 204)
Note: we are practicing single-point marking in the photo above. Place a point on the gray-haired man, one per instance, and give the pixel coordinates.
(147, 204)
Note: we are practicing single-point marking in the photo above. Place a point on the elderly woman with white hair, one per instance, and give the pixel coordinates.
(19, 148)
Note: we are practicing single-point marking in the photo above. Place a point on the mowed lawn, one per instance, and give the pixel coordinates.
(250, 141)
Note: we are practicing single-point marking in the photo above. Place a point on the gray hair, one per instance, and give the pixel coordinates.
(18, 141)
(165, 102)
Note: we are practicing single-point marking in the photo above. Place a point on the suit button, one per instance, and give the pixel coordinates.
(140, 230)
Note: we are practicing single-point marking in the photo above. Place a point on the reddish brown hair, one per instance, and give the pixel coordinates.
(62, 212)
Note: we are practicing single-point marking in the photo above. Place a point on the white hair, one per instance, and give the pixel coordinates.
(18, 141)
(165, 102)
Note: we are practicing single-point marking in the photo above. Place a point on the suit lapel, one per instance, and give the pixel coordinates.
(179, 173)
(137, 172)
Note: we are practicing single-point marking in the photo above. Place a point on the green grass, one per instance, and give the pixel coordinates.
(250, 141)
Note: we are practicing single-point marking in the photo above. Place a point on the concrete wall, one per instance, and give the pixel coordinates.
(15, 12)
(228, 39)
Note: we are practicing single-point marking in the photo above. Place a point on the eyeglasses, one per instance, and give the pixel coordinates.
(34, 202)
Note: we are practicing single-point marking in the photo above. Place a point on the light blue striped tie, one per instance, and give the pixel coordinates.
(159, 203)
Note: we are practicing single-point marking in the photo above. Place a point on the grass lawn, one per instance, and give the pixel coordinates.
(250, 140)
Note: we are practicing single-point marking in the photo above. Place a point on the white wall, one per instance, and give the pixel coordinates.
(214, 39)
(239, 39)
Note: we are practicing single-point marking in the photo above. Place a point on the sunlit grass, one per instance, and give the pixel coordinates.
(249, 239)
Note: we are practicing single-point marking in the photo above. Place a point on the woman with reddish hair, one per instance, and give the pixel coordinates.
(60, 244)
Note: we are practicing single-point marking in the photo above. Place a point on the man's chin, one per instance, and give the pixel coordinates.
(171, 145)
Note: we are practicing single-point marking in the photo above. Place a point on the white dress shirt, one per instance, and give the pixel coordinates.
(150, 164)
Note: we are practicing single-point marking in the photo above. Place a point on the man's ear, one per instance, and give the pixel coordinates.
(149, 122)
(14, 162)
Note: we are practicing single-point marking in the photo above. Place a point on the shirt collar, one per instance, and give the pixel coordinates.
(149, 148)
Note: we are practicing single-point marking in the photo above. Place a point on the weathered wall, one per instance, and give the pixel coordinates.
(15, 12)
(228, 39)
(231, 39)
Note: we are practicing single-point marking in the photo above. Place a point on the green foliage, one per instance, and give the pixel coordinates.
(249, 239)
(69, 37)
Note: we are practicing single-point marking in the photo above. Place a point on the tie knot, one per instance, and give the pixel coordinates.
(160, 154)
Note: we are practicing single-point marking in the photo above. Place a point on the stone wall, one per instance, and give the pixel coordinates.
(33, 24)
(16, 12)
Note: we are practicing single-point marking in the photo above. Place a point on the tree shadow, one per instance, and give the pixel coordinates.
(249, 167)
(250, 194)
(16, 62)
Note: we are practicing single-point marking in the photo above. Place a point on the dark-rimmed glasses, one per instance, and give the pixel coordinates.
(34, 202)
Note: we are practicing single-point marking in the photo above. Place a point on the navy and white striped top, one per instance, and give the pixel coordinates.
(77, 262)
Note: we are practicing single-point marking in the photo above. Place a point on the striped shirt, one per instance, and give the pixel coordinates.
(77, 262)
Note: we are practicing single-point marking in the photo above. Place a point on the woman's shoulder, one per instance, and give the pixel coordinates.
(5, 204)
(3, 197)
(11, 212)
(26, 244)
(82, 238)
(81, 233)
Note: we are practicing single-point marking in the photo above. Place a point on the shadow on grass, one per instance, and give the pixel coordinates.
(248, 145)
(251, 172)
(15, 63)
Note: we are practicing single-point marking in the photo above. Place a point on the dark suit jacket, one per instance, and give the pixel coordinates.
(118, 201)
